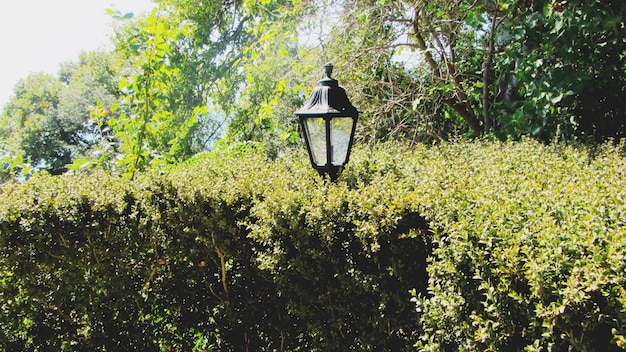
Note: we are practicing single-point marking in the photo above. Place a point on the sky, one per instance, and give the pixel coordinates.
(39, 35)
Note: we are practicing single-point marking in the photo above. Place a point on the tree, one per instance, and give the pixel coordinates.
(229, 62)
(188, 74)
(31, 126)
(276, 76)
(91, 85)
(570, 60)
(48, 123)
(436, 69)
(184, 58)
(209, 59)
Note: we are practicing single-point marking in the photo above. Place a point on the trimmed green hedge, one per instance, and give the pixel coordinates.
(468, 246)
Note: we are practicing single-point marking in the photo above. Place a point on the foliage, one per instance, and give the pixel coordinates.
(148, 130)
(31, 118)
(526, 257)
(190, 61)
(271, 79)
(189, 74)
(230, 251)
(427, 70)
(569, 58)
(418, 66)
(207, 61)
(47, 123)
(422, 70)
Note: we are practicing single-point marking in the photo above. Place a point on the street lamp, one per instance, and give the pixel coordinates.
(328, 121)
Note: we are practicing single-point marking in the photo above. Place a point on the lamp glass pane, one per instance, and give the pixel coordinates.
(340, 130)
(316, 132)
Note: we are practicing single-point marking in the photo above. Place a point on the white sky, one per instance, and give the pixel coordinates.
(39, 35)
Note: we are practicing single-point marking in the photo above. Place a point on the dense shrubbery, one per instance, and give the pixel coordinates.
(531, 243)
(469, 246)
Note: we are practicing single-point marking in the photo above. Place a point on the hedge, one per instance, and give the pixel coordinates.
(468, 246)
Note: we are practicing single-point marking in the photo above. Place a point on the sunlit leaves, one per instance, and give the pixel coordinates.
(117, 15)
(148, 130)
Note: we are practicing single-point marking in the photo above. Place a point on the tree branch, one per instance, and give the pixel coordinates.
(487, 73)
(461, 104)
(421, 44)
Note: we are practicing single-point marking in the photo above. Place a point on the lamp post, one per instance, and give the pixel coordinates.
(328, 121)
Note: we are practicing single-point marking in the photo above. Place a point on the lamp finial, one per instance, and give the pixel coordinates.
(328, 69)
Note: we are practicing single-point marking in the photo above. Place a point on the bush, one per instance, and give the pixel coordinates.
(530, 243)
(469, 246)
